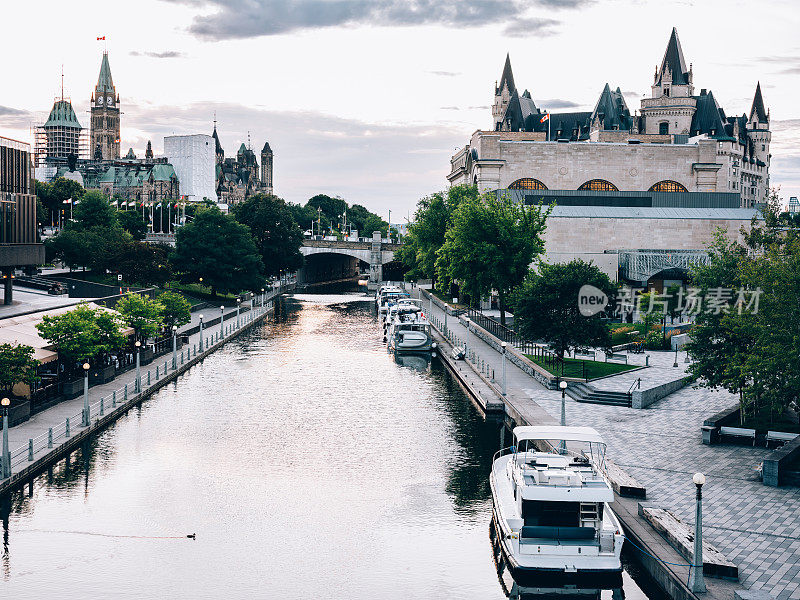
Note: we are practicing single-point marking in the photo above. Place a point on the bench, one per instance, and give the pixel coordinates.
(738, 432)
(617, 357)
(681, 537)
(780, 436)
(587, 354)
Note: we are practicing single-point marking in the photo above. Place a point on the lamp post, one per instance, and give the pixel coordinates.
(563, 386)
(262, 297)
(137, 384)
(6, 462)
(174, 347)
(675, 364)
(221, 322)
(696, 581)
(503, 346)
(466, 342)
(201, 331)
(238, 305)
(86, 368)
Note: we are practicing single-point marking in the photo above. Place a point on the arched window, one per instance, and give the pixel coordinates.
(599, 185)
(527, 183)
(667, 186)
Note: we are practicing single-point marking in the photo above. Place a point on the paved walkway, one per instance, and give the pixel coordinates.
(756, 526)
(37, 426)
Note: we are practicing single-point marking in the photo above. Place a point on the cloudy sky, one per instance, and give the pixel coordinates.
(368, 99)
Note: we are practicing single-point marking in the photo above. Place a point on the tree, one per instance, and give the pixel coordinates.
(54, 194)
(17, 365)
(94, 210)
(132, 222)
(547, 307)
(175, 310)
(109, 329)
(220, 250)
(75, 335)
(426, 234)
(142, 314)
(275, 232)
(331, 207)
(145, 264)
(490, 246)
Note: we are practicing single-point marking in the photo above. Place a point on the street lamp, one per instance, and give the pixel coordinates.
(675, 364)
(696, 581)
(221, 322)
(563, 386)
(238, 305)
(6, 462)
(466, 343)
(137, 384)
(503, 346)
(174, 347)
(262, 297)
(201, 330)
(86, 368)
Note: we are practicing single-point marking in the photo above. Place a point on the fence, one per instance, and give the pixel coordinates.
(155, 372)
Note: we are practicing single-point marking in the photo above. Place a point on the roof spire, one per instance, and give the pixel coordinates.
(758, 106)
(104, 81)
(674, 61)
(507, 78)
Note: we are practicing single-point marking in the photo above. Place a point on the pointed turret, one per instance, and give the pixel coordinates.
(507, 78)
(758, 109)
(673, 66)
(105, 84)
(148, 153)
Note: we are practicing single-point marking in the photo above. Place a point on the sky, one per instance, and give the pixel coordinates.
(368, 99)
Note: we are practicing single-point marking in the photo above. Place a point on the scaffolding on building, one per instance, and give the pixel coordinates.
(641, 265)
(60, 137)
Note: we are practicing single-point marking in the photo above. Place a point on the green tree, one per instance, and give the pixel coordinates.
(17, 365)
(75, 335)
(132, 222)
(145, 264)
(426, 234)
(217, 248)
(94, 210)
(142, 314)
(53, 195)
(490, 246)
(176, 310)
(275, 232)
(109, 329)
(331, 208)
(547, 307)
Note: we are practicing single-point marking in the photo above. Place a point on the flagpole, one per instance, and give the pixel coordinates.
(548, 126)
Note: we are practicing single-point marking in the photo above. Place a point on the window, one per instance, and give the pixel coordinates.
(527, 183)
(663, 128)
(667, 186)
(598, 185)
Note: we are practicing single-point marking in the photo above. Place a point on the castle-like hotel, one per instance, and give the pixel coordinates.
(678, 141)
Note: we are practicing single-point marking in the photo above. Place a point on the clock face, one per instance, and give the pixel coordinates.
(110, 101)
(100, 100)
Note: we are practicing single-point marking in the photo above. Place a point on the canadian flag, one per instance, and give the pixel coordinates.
(101, 38)
(546, 117)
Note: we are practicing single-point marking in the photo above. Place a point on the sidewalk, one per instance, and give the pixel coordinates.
(757, 527)
(38, 426)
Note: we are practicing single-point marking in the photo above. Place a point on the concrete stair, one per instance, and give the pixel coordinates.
(582, 392)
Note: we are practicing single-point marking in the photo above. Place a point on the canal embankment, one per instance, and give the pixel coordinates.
(57, 431)
(664, 564)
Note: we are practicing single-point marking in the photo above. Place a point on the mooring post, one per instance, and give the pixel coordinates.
(114, 399)
(125, 394)
(148, 376)
(101, 406)
(30, 449)
(156, 372)
(66, 428)
(50, 438)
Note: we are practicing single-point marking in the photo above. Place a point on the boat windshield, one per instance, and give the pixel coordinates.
(576, 451)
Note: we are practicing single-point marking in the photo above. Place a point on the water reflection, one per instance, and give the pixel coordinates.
(418, 361)
(309, 462)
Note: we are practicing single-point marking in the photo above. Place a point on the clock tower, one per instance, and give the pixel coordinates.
(104, 128)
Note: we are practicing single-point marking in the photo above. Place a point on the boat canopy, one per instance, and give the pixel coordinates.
(556, 432)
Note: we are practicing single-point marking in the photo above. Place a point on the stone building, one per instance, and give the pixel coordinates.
(104, 129)
(239, 177)
(679, 141)
(149, 180)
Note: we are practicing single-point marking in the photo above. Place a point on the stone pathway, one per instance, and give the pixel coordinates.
(756, 526)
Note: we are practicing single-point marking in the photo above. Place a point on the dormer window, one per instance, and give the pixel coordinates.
(666, 91)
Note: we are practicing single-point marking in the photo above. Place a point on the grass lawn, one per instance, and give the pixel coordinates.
(574, 367)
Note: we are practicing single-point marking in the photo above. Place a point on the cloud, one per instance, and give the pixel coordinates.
(445, 73)
(791, 64)
(164, 54)
(449, 108)
(378, 165)
(559, 103)
(254, 18)
(631, 94)
(532, 26)
(14, 118)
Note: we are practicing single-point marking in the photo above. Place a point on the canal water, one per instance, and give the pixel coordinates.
(308, 463)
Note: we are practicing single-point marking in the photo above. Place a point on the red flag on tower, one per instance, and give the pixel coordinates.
(546, 117)
(101, 38)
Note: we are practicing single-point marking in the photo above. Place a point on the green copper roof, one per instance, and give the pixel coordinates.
(109, 176)
(104, 81)
(62, 115)
(162, 172)
(242, 149)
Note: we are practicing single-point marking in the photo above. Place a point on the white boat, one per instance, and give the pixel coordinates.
(551, 505)
(409, 330)
(387, 296)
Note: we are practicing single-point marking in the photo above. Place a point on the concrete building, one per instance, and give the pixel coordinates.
(194, 159)
(678, 142)
(18, 243)
(104, 136)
